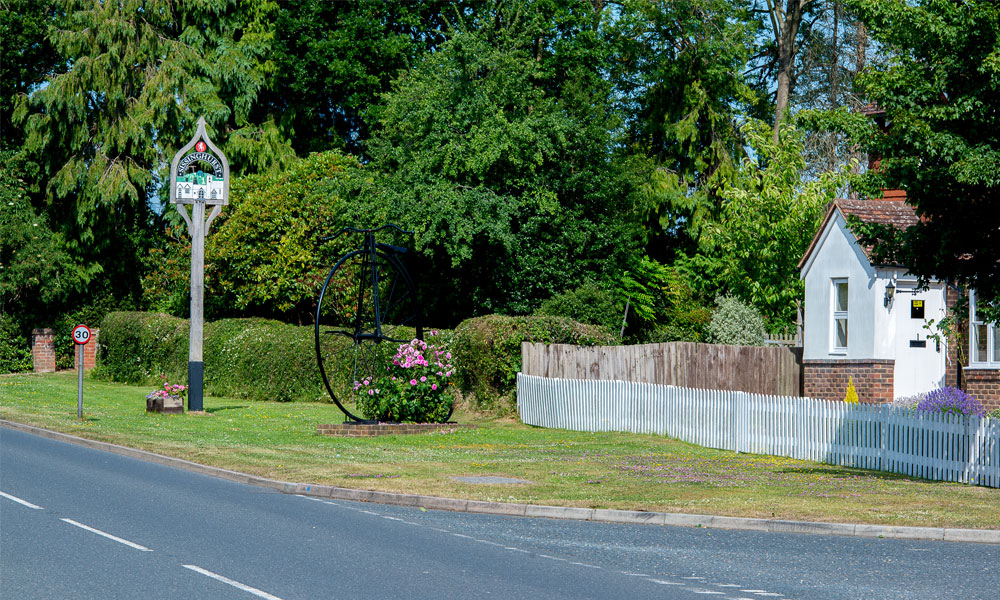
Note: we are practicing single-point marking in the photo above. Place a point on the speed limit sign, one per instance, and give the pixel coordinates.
(81, 334)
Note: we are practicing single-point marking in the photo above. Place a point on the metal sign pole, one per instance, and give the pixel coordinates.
(79, 386)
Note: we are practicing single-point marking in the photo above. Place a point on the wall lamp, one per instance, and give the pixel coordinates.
(890, 292)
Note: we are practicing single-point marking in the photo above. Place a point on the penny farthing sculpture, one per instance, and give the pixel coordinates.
(368, 307)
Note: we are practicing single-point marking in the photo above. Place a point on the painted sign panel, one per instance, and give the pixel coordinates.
(199, 172)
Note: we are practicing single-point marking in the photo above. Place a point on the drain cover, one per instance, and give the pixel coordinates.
(490, 479)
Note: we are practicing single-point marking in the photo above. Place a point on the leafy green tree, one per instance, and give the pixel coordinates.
(265, 255)
(26, 58)
(140, 73)
(332, 61)
(679, 76)
(939, 85)
(496, 149)
(770, 215)
(37, 275)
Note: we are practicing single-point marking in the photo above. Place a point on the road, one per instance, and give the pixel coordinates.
(80, 523)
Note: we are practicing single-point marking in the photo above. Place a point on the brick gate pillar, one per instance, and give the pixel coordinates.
(43, 350)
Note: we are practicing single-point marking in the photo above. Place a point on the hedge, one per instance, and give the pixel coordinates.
(267, 360)
(487, 352)
(246, 358)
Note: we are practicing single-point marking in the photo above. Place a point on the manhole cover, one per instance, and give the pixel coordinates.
(490, 479)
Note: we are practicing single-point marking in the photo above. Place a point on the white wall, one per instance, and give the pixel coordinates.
(875, 331)
(838, 255)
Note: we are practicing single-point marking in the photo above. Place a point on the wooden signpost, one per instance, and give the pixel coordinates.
(199, 176)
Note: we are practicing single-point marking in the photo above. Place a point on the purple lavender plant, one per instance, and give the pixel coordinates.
(951, 400)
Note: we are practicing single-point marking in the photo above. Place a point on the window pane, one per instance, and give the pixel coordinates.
(979, 344)
(996, 343)
(841, 296)
(841, 333)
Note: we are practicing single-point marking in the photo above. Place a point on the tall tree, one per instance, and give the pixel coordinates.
(333, 60)
(939, 85)
(140, 72)
(679, 77)
(26, 58)
(497, 150)
(786, 21)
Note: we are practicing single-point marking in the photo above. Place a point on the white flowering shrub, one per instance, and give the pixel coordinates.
(735, 323)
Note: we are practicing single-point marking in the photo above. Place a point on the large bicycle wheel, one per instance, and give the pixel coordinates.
(367, 308)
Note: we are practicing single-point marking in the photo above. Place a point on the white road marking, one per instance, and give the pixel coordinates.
(692, 577)
(766, 594)
(725, 585)
(661, 582)
(585, 565)
(235, 584)
(698, 591)
(19, 501)
(462, 535)
(635, 574)
(391, 518)
(107, 535)
(552, 557)
(368, 512)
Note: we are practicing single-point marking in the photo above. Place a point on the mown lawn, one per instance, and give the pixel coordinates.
(600, 470)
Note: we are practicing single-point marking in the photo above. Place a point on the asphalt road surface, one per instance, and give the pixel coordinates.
(80, 523)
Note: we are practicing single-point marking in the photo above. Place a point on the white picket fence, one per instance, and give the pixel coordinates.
(878, 437)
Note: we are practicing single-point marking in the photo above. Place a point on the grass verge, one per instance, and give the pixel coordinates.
(566, 468)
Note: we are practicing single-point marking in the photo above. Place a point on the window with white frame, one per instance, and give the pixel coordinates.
(984, 339)
(839, 316)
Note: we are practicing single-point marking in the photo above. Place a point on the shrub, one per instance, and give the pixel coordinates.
(994, 414)
(736, 324)
(413, 389)
(137, 347)
(15, 353)
(949, 400)
(589, 303)
(488, 352)
(908, 401)
(246, 358)
(851, 397)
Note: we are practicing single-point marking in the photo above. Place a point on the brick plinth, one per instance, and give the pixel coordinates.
(43, 350)
(376, 429)
(827, 379)
(984, 385)
(89, 351)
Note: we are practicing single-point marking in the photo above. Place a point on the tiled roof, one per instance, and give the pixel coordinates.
(890, 210)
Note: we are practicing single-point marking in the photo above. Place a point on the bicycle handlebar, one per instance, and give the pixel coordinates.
(356, 230)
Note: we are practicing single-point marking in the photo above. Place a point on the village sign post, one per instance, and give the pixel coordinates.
(191, 185)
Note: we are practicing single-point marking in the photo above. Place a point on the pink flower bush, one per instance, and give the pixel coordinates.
(414, 387)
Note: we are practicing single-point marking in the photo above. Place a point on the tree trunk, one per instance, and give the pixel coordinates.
(785, 21)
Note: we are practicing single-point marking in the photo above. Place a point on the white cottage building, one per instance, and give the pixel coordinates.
(869, 322)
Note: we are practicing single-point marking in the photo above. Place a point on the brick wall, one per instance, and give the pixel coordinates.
(89, 351)
(957, 347)
(827, 379)
(43, 350)
(984, 384)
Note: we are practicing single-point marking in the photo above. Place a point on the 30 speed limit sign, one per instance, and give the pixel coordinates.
(81, 334)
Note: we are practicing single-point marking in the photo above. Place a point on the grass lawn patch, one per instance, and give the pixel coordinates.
(565, 468)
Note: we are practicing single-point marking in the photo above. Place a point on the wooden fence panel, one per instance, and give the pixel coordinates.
(773, 370)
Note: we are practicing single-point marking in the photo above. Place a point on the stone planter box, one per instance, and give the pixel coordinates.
(168, 406)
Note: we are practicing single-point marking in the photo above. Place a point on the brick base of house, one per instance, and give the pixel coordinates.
(984, 385)
(827, 379)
